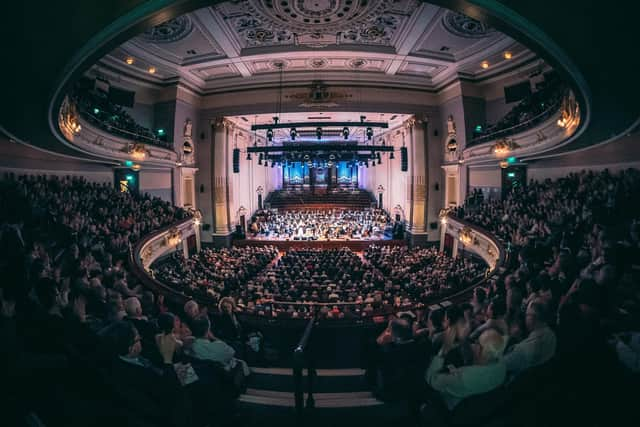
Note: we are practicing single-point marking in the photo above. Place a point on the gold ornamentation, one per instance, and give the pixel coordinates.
(466, 235)
(173, 237)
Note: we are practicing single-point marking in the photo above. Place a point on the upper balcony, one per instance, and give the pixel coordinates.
(547, 130)
(94, 135)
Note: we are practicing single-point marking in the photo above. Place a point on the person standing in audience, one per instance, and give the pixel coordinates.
(538, 347)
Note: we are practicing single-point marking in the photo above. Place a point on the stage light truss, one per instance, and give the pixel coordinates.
(315, 125)
(319, 148)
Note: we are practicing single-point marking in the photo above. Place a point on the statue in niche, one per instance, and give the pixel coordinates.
(451, 126)
(187, 128)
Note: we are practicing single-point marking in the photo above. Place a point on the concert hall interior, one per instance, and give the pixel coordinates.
(319, 213)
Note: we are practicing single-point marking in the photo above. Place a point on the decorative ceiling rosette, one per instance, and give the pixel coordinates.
(461, 25)
(169, 31)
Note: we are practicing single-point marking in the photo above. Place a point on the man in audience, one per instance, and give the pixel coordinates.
(154, 391)
(487, 372)
(539, 346)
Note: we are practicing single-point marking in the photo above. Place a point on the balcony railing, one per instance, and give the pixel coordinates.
(520, 127)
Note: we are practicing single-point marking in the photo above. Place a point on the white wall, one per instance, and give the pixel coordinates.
(21, 159)
(156, 183)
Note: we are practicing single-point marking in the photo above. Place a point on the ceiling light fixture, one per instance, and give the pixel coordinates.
(508, 55)
(484, 64)
(129, 60)
(152, 70)
(369, 133)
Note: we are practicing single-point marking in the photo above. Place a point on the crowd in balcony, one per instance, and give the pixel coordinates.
(560, 319)
(95, 106)
(527, 113)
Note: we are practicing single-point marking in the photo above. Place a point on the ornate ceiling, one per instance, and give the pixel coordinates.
(242, 43)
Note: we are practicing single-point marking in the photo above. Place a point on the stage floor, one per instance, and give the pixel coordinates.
(354, 245)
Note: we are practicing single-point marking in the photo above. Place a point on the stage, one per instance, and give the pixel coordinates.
(354, 245)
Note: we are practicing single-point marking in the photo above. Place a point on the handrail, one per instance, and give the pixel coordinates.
(302, 360)
(109, 127)
(520, 126)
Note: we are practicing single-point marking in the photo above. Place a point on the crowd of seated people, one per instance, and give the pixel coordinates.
(383, 280)
(320, 224)
(95, 106)
(214, 273)
(79, 335)
(426, 273)
(555, 329)
(529, 110)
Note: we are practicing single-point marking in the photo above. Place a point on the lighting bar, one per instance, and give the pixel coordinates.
(325, 124)
(319, 147)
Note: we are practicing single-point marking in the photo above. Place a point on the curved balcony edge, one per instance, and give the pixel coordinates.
(83, 136)
(156, 245)
(555, 131)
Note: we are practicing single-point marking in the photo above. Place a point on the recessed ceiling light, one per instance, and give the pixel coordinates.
(484, 64)
(129, 60)
(152, 70)
(508, 55)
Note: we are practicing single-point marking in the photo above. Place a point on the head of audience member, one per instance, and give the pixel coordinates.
(201, 327)
(400, 330)
(124, 338)
(536, 315)
(133, 308)
(191, 309)
(456, 323)
(168, 323)
(489, 348)
(227, 306)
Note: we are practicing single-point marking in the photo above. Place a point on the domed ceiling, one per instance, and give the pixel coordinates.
(244, 43)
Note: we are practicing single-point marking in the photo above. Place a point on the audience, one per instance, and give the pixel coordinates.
(69, 304)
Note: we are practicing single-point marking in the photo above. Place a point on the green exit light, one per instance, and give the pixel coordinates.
(96, 110)
(128, 163)
(129, 177)
(511, 160)
(478, 128)
(160, 131)
(511, 174)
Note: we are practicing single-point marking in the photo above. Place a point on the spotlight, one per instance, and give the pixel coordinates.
(270, 134)
(273, 163)
(129, 60)
(266, 162)
(260, 159)
(379, 159)
(345, 132)
(151, 70)
(484, 64)
(248, 156)
(392, 156)
(373, 163)
(369, 133)
(366, 163)
(293, 133)
(319, 133)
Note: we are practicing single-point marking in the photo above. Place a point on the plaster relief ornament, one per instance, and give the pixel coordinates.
(316, 23)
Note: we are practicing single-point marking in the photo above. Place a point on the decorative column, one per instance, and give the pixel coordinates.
(414, 137)
(222, 131)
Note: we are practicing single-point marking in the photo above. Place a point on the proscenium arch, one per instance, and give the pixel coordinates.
(144, 15)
